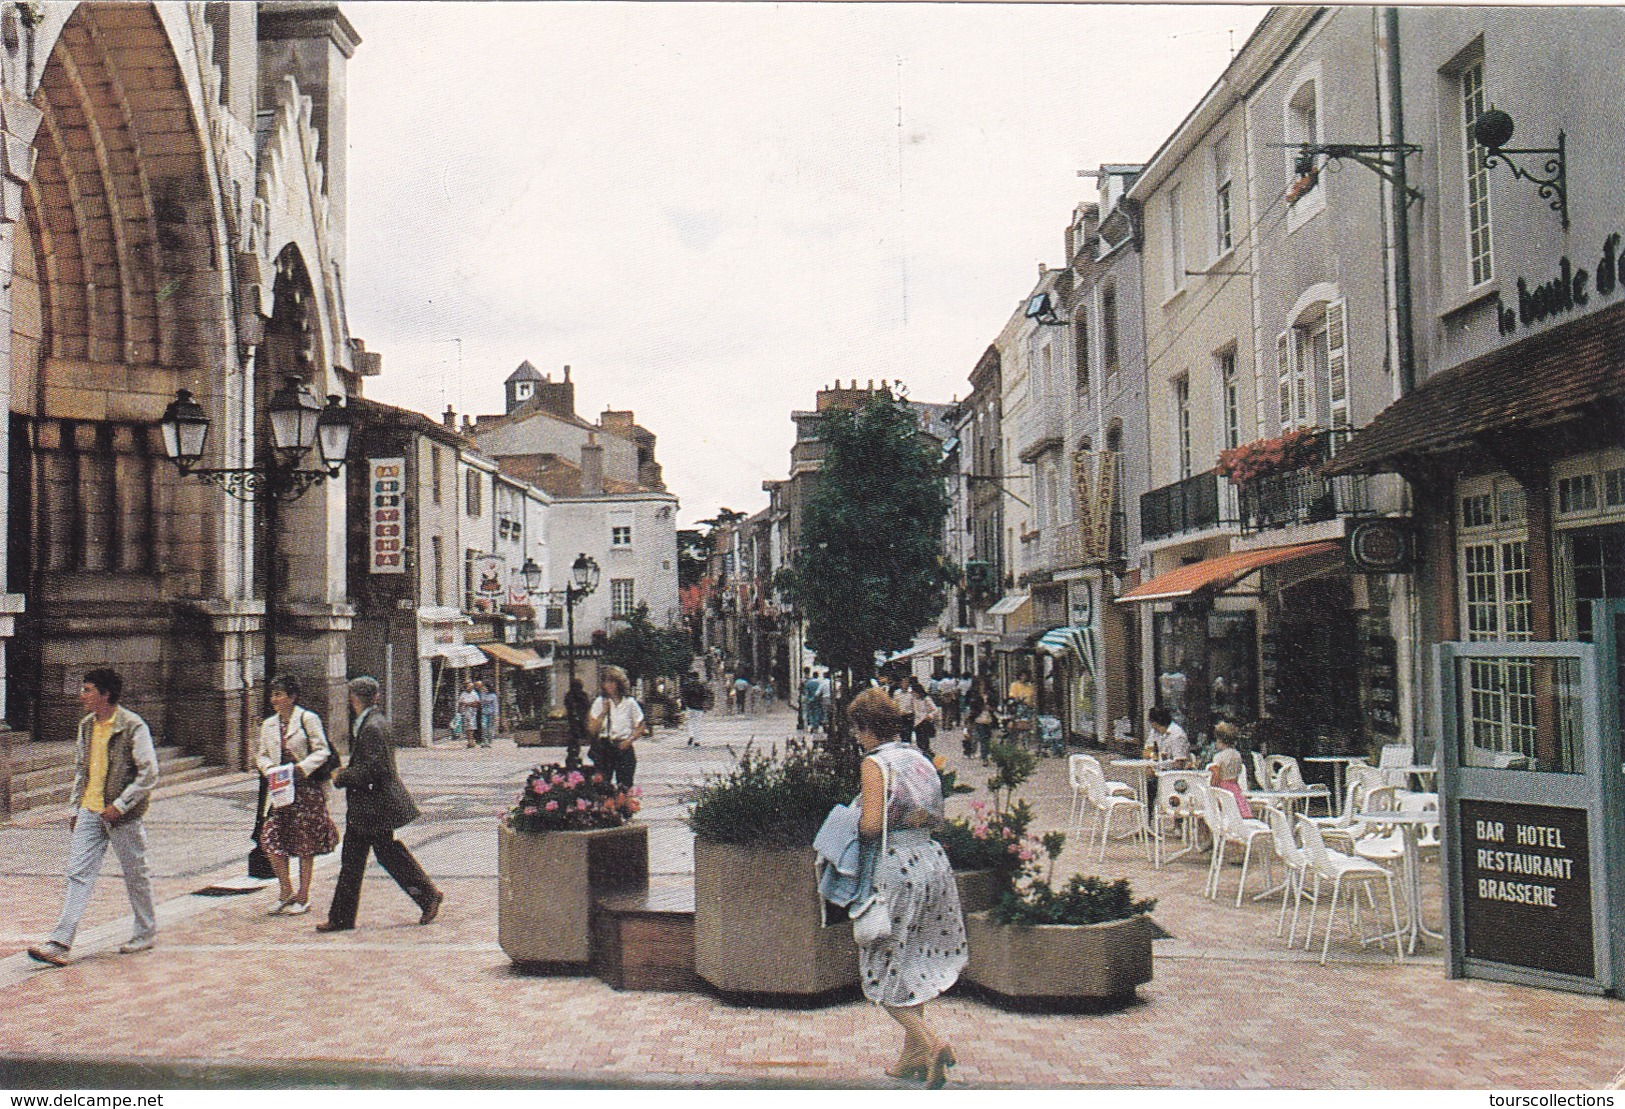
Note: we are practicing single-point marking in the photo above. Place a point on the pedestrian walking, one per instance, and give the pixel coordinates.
(902, 797)
(741, 687)
(490, 710)
(812, 708)
(468, 710)
(979, 707)
(576, 704)
(616, 723)
(115, 771)
(696, 699)
(303, 829)
(926, 717)
(377, 805)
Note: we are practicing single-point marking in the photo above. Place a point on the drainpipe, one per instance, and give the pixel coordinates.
(1405, 615)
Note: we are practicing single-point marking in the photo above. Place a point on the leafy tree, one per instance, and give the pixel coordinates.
(693, 553)
(645, 651)
(870, 573)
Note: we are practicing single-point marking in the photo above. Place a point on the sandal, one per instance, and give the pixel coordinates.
(940, 1062)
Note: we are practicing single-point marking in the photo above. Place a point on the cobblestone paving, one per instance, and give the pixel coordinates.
(1229, 1007)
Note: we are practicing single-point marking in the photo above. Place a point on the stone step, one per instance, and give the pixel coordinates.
(41, 778)
(643, 937)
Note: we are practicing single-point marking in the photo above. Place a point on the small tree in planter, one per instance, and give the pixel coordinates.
(758, 931)
(567, 836)
(986, 849)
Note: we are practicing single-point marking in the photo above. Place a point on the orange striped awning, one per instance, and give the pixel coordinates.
(1217, 574)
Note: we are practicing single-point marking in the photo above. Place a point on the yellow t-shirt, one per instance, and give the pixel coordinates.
(96, 777)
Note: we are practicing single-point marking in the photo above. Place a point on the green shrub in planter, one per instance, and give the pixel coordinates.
(995, 836)
(773, 800)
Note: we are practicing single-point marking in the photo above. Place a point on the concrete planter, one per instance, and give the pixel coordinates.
(978, 890)
(1059, 966)
(546, 883)
(757, 931)
(553, 733)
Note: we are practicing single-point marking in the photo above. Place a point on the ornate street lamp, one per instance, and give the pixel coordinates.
(531, 575)
(298, 422)
(584, 573)
(1493, 130)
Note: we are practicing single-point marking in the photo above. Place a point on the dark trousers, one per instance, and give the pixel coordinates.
(392, 856)
(617, 764)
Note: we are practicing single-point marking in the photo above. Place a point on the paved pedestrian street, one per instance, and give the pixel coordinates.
(228, 986)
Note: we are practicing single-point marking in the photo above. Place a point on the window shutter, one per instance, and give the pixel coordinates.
(1337, 363)
(1283, 372)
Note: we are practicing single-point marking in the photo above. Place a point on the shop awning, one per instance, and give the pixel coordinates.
(460, 656)
(1072, 639)
(522, 657)
(1214, 575)
(921, 650)
(1007, 604)
(1549, 378)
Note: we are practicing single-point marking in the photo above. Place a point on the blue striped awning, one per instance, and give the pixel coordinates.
(1077, 641)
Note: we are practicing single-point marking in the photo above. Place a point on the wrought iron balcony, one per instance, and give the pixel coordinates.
(1185, 506)
(1303, 495)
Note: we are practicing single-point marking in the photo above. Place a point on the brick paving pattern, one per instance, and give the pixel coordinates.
(1228, 1006)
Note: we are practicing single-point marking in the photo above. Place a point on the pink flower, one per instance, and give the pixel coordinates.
(581, 804)
(574, 779)
(551, 806)
(1014, 849)
(635, 791)
(542, 787)
(529, 810)
(979, 833)
(978, 805)
(1027, 855)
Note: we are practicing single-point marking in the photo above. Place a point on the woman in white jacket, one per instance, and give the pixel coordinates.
(295, 735)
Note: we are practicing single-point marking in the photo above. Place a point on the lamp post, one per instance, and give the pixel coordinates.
(298, 422)
(583, 580)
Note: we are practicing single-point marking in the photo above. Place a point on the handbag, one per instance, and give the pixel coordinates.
(871, 919)
(333, 763)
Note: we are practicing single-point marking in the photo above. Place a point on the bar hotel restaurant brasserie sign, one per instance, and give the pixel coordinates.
(1568, 290)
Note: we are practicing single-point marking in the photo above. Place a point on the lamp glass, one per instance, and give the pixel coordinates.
(585, 572)
(333, 433)
(531, 574)
(185, 428)
(293, 415)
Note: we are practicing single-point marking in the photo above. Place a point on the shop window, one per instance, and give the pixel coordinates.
(622, 598)
(1576, 494)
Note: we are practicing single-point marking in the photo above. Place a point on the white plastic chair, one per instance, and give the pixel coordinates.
(1261, 773)
(1344, 828)
(1075, 765)
(1107, 805)
(1296, 862)
(1237, 829)
(1343, 871)
(1289, 776)
(1179, 800)
(1394, 756)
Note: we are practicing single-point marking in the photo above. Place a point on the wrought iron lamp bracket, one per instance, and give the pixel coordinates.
(252, 483)
(1555, 186)
(1383, 159)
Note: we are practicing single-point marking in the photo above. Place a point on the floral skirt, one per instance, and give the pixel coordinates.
(303, 828)
(927, 949)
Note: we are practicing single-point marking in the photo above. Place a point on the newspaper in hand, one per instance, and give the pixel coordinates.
(280, 782)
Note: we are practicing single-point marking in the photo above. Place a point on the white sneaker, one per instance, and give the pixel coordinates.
(132, 946)
(279, 906)
(295, 908)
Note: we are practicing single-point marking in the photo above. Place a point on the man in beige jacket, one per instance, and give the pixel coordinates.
(116, 772)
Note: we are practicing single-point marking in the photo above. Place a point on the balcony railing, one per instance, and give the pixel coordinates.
(1303, 496)
(1185, 506)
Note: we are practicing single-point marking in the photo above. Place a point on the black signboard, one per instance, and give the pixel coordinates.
(579, 652)
(1379, 679)
(1269, 673)
(1526, 886)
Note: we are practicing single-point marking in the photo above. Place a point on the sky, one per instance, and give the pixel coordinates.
(711, 211)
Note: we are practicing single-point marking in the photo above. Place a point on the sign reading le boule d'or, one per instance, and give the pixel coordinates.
(1526, 886)
(386, 503)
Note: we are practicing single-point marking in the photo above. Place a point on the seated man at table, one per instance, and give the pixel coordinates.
(1224, 769)
(1168, 738)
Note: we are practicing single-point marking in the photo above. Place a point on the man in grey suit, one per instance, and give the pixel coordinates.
(377, 804)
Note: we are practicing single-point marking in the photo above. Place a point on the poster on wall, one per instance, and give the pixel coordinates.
(386, 479)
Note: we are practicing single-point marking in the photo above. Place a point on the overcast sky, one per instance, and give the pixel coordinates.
(710, 211)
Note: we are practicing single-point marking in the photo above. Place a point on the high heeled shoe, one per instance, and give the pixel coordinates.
(910, 1068)
(937, 1073)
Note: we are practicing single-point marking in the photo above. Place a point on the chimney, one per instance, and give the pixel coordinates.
(617, 421)
(468, 425)
(592, 467)
(557, 397)
(450, 418)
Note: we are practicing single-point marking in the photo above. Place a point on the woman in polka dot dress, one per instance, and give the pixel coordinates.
(926, 950)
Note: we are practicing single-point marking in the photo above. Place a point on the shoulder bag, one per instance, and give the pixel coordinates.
(871, 919)
(325, 771)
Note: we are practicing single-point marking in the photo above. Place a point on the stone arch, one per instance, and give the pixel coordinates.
(117, 298)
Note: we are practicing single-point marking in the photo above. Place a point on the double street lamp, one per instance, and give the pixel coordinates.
(298, 422)
(584, 574)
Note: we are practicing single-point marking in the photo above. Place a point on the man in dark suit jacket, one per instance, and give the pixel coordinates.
(377, 804)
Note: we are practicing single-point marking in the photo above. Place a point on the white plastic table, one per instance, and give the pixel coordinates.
(1426, 773)
(1340, 764)
(1290, 797)
(1143, 768)
(1411, 824)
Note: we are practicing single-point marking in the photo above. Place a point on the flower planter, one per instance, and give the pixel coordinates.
(546, 883)
(1059, 966)
(978, 890)
(757, 931)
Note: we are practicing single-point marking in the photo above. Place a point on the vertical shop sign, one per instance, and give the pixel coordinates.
(386, 502)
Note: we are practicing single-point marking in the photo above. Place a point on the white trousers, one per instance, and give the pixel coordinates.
(696, 717)
(91, 837)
